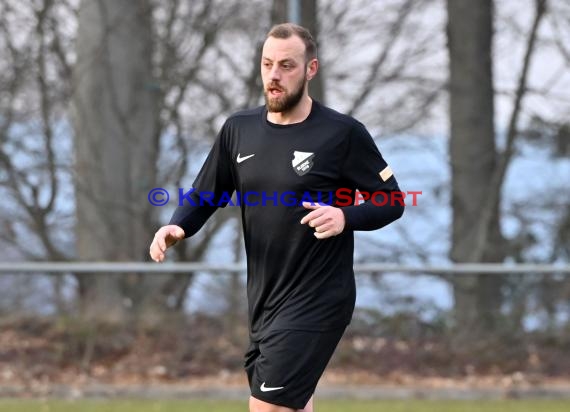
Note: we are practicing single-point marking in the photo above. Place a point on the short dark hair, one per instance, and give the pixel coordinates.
(286, 30)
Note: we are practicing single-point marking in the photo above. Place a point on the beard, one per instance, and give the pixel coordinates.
(287, 101)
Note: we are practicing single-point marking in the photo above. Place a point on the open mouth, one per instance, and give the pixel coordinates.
(274, 91)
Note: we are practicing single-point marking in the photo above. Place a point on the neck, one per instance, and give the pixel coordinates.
(296, 115)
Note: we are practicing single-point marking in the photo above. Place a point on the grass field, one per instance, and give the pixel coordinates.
(321, 406)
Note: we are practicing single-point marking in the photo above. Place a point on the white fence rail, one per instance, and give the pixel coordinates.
(186, 267)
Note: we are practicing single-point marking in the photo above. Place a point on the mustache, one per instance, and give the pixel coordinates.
(274, 86)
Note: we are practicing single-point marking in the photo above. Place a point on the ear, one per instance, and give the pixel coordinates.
(312, 68)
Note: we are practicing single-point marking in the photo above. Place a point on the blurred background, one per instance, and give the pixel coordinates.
(103, 100)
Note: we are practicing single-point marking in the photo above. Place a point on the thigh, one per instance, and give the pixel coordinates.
(285, 367)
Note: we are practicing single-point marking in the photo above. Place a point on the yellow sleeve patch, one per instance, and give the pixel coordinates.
(386, 173)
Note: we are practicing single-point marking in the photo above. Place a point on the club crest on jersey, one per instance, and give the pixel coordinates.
(302, 162)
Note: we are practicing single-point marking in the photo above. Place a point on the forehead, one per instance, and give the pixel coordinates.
(280, 49)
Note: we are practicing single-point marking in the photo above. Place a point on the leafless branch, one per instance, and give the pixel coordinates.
(505, 157)
(394, 32)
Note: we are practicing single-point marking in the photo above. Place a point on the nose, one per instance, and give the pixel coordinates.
(274, 74)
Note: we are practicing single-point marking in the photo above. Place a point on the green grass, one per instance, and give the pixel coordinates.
(321, 406)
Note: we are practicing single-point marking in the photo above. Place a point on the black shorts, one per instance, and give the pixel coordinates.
(285, 366)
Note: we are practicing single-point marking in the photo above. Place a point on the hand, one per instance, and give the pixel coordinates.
(327, 220)
(165, 237)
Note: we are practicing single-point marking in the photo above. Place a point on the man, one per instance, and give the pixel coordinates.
(300, 280)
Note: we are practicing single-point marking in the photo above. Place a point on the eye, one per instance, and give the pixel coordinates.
(267, 65)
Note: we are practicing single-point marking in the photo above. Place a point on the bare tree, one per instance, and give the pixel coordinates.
(478, 169)
(34, 215)
(116, 141)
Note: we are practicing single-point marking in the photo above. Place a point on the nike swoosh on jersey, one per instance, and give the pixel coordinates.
(241, 159)
(269, 389)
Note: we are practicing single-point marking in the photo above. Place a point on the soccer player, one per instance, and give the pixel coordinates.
(300, 279)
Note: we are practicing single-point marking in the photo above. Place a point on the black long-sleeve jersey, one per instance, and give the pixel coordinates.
(294, 280)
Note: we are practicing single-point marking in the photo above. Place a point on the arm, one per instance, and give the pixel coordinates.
(185, 222)
(214, 177)
(364, 168)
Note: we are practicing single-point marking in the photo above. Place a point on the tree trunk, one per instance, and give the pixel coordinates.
(116, 141)
(279, 11)
(309, 20)
(473, 161)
